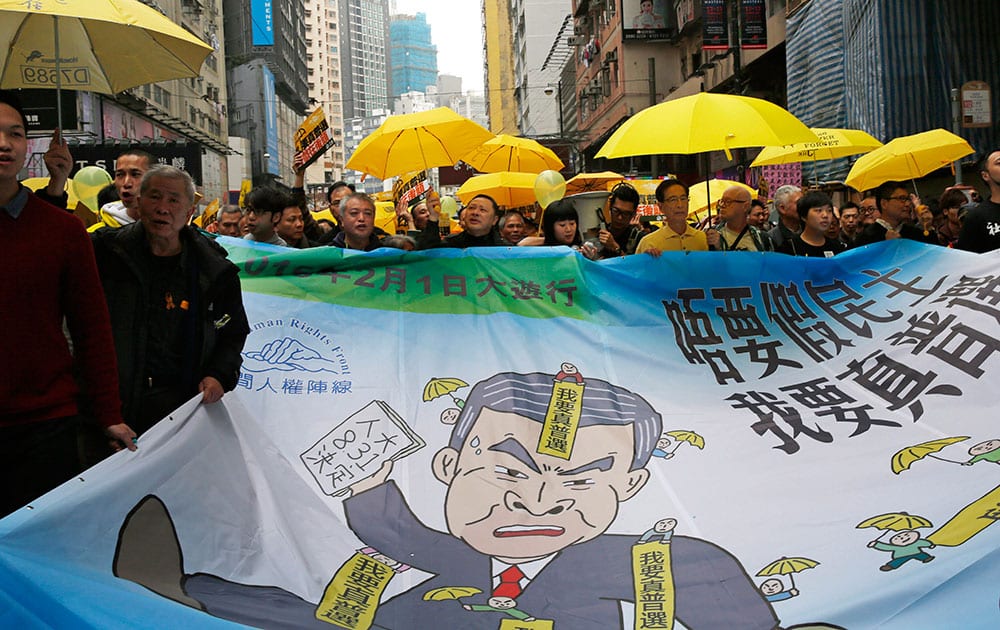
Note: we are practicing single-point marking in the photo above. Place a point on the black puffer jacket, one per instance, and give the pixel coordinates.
(215, 341)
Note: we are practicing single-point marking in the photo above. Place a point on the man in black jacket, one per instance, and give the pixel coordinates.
(480, 216)
(895, 206)
(175, 303)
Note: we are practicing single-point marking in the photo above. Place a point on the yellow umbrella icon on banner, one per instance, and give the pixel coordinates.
(787, 566)
(904, 458)
(437, 387)
(895, 521)
(689, 437)
(450, 592)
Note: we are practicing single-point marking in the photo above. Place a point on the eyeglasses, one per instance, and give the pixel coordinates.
(623, 213)
(901, 198)
(675, 199)
(867, 209)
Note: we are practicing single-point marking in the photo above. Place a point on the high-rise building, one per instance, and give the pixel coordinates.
(534, 21)
(499, 79)
(266, 57)
(364, 53)
(879, 76)
(448, 86)
(412, 56)
(323, 63)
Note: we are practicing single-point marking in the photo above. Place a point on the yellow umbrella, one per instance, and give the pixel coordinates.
(437, 387)
(705, 122)
(907, 157)
(450, 592)
(689, 437)
(702, 199)
(415, 142)
(894, 521)
(787, 566)
(512, 153)
(831, 144)
(508, 189)
(588, 182)
(38, 183)
(102, 46)
(904, 458)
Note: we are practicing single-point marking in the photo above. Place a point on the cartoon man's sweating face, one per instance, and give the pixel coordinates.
(985, 447)
(508, 501)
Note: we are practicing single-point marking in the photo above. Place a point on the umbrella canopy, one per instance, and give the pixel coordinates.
(450, 592)
(38, 183)
(904, 458)
(414, 142)
(437, 387)
(705, 122)
(705, 194)
(588, 182)
(508, 189)
(513, 153)
(895, 521)
(832, 144)
(907, 157)
(785, 566)
(689, 437)
(103, 45)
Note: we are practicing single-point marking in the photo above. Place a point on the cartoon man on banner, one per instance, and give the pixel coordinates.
(526, 525)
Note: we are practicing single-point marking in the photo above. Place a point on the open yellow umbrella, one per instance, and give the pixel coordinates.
(38, 183)
(830, 145)
(907, 157)
(508, 189)
(904, 458)
(589, 182)
(101, 46)
(513, 153)
(415, 142)
(450, 592)
(689, 437)
(704, 196)
(447, 386)
(788, 566)
(705, 122)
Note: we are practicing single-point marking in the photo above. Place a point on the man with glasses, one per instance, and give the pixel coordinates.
(868, 211)
(981, 227)
(895, 208)
(264, 207)
(734, 232)
(622, 234)
(675, 234)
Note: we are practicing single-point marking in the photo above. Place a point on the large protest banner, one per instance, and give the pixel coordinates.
(527, 439)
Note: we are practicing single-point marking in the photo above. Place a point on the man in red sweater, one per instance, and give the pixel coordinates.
(48, 275)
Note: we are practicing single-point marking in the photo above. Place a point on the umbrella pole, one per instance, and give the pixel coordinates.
(791, 577)
(55, 33)
(708, 192)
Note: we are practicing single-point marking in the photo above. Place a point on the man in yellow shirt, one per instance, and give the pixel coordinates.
(675, 234)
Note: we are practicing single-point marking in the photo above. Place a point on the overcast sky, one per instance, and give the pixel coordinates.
(456, 30)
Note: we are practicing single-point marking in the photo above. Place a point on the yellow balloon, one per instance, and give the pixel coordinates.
(449, 206)
(549, 186)
(89, 181)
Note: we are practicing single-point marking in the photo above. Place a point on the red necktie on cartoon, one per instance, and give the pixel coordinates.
(510, 583)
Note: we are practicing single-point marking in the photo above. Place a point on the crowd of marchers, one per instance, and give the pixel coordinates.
(106, 333)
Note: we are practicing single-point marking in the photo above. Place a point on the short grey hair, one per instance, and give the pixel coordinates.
(784, 192)
(528, 395)
(165, 171)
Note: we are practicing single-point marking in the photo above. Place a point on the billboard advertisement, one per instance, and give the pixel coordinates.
(262, 20)
(646, 20)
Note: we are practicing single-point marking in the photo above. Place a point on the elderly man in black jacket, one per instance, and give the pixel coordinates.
(175, 303)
